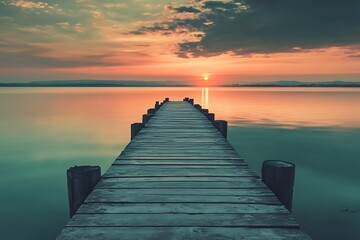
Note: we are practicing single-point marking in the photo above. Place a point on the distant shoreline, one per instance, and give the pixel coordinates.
(185, 86)
(129, 83)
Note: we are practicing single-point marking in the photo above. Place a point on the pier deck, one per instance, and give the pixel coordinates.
(179, 178)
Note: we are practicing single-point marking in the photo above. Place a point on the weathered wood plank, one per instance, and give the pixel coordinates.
(176, 185)
(185, 208)
(183, 179)
(143, 196)
(184, 220)
(168, 170)
(180, 233)
(179, 157)
(180, 162)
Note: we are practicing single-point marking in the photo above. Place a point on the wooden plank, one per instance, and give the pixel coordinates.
(185, 192)
(193, 158)
(184, 179)
(143, 196)
(178, 183)
(177, 155)
(218, 152)
(180, 162)
(189, 170)
(188, 146)
(184, 208)
(179, 233)
(184, 220)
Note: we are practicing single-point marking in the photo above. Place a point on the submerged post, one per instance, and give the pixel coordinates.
(279, 176)
(222, 126)
(135, 129)
(81, 181)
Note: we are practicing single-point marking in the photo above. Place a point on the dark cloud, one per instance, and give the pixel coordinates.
(185, 9)
(257, 26)
(219, 5)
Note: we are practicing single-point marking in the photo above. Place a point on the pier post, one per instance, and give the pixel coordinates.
(191, 101)
(166, 99)
(80, 182)
(157, 105)
(186, 99)
(146, 117)
(210, 116)
(279, 176)
(135, 129)
(198, 107)
(151, 111)
(205, 111)
(222, 126)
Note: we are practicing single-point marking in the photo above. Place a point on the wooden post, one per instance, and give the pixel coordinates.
(186, 99)
(146, 117)
(198, 107)
(210, 116)
(157, 105)
(191, 101)
(167, 99)
(80, 182)
(135, 129)
(205, 111)
(151, 111)
(222, 126)
(279, 176)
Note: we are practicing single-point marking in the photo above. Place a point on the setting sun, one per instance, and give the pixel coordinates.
(205, 76)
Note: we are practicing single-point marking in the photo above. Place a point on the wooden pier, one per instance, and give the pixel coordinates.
(179, 178)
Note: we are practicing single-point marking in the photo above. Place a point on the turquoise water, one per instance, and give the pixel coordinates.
(44, 131)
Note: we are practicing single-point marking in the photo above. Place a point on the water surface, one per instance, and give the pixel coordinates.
(44, 131)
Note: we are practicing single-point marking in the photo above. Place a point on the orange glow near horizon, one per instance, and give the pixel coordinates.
(227, 69)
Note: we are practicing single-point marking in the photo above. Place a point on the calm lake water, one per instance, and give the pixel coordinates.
(44, 131)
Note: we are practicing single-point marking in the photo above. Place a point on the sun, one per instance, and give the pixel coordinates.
(205, 77)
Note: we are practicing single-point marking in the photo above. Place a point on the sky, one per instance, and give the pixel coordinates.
(185, 41)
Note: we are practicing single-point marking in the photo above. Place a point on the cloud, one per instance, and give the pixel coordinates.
(244, 27)
(29, 4)
(185, 9)
(19, 55)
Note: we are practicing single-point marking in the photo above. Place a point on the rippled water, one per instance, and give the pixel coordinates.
(46, 130)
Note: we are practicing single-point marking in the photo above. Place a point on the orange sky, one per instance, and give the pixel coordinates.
(92, 40)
